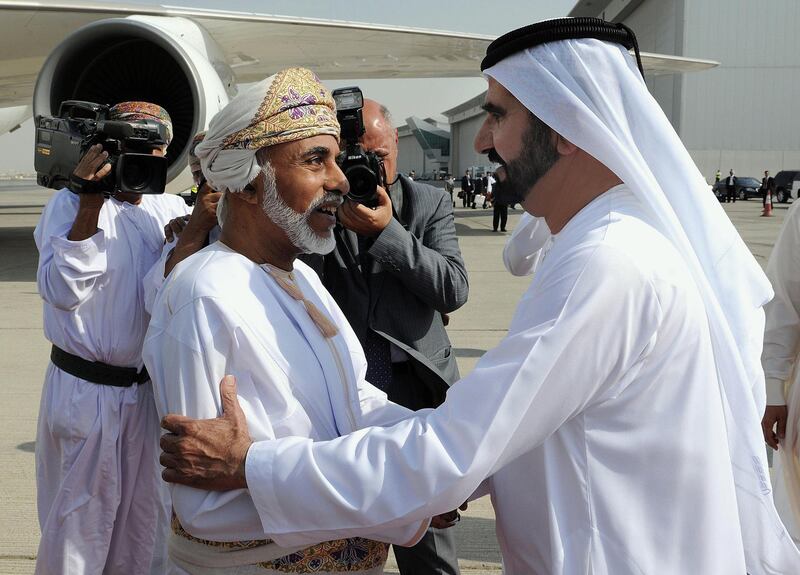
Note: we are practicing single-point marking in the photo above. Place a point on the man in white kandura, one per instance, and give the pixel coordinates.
(781, 422)
(245, 306)
(618, 421)
(97, 475)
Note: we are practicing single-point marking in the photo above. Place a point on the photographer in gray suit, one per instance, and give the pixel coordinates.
(396, 270)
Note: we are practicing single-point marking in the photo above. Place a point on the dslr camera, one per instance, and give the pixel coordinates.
(364, 170)
(61, 141)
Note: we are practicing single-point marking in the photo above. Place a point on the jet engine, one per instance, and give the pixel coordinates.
(172, 62)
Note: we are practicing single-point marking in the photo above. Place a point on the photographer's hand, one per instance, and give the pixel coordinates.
(92, 167)
(204, 214)
(367, 222)
(195, 235)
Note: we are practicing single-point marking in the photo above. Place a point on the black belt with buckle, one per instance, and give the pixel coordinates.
(97, 371)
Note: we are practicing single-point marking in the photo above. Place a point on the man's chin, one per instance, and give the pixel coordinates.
(322, 244)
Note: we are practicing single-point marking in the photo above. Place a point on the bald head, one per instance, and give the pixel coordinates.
(380, 136)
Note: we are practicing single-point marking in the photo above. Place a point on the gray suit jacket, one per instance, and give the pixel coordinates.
(411, 274)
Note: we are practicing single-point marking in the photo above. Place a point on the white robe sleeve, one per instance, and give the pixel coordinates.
(68, 270)
(559, 357)
(522, 251)
(186, 360)
(782, 334)
(154, 278)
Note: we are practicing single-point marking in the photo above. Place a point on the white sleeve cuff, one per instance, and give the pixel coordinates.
(775, 391)
(258, 471)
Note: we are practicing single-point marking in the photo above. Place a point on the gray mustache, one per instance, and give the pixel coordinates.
(329, 198)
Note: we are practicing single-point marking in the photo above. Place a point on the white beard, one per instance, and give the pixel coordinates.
(293, 223)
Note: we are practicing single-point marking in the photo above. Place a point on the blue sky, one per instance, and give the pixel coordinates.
(403, 97)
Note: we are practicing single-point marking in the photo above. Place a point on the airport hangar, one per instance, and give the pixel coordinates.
(743, 114)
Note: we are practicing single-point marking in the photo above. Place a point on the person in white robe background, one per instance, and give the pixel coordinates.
(245, 306)
(618, 422)
(781, 422)
(96, 446)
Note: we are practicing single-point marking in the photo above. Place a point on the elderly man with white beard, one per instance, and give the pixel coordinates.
(244, 306)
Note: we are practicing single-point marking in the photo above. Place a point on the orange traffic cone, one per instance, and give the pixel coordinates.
(767, 205)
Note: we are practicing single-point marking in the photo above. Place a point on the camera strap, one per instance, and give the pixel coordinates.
(79, 185)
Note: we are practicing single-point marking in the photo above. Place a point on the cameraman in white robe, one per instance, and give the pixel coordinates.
(97, 472)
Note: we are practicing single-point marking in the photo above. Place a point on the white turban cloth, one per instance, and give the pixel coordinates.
(591, 93)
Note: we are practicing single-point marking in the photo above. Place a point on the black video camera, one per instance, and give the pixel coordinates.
(61, 142)
(364, 170)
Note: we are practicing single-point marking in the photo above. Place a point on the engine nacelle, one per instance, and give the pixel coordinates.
(172, 62)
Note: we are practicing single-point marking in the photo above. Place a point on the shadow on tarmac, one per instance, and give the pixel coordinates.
(28, 446)
(18, 255)
(463, 230)
(468, 213)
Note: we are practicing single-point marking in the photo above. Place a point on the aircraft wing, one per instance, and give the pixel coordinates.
(190, 60)
(658, 64)
(255, 45)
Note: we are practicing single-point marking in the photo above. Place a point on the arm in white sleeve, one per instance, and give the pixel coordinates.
(154, 278)
(68, 270)
(186, 358)
(782, 333)
(522, 251)
(518, 394)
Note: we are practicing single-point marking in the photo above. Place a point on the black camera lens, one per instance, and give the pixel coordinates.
(363, 183)
(135, 178)
(141, 174)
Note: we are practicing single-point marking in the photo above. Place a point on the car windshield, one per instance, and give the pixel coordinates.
(749, 182)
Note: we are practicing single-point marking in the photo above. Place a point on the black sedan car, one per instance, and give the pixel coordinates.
(745, 189)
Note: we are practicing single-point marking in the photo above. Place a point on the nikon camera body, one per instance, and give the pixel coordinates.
(364, 170)
(61, 141)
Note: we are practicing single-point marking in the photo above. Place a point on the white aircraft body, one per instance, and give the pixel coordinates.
(190, 61)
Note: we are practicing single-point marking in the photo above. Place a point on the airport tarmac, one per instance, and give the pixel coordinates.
(473, 329)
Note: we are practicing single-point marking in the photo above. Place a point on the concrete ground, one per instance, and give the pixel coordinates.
(478, 326)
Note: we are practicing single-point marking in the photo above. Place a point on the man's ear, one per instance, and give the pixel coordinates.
(247, 195)
(563, 146)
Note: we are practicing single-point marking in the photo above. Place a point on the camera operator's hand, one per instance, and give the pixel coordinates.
(367, 222)
(93, 166)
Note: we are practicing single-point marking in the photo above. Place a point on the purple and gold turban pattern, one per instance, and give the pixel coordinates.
(132, 111)
(291, 105)
(296, 106)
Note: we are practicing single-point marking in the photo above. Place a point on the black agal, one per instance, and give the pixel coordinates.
(560, 29)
